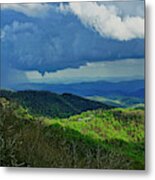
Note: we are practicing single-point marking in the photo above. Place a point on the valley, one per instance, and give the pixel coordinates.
(82, 134)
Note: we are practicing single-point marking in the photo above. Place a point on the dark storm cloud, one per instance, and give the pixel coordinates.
(58, 41)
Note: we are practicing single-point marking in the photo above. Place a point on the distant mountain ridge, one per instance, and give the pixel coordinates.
(45, 103)
(98, 88)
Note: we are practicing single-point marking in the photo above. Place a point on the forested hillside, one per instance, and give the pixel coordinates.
(44, 103)
(109, 139)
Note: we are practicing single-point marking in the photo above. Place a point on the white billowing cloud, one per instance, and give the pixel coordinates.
(32, 10)
(103, 18)
(106, 21)
(127, 69)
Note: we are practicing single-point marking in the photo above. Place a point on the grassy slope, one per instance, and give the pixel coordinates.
(94, 139)
(108, 127)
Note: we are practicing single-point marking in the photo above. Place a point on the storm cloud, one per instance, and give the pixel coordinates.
(55, 36)
(34, 44)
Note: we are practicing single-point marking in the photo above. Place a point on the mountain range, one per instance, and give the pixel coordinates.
(132, 88)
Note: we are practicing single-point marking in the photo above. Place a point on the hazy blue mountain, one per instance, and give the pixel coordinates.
(133, 88)
(138, 93)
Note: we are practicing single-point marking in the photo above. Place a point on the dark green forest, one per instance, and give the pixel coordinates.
(45, 103)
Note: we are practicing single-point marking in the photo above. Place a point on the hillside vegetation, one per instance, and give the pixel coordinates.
(44, 103)
(109, 139)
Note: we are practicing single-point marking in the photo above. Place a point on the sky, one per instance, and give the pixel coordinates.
(72, 42)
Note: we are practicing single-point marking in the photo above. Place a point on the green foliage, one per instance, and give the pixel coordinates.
(108, 139)
(44, 103)
(8, 133)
